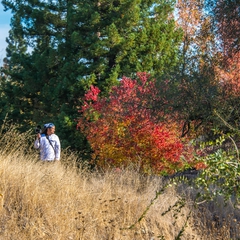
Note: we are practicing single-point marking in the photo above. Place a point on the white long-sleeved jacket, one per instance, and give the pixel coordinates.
(47, 152)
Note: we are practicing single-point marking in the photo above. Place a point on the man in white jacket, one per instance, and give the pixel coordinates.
(48, 143)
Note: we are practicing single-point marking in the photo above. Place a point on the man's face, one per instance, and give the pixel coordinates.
(50, 130)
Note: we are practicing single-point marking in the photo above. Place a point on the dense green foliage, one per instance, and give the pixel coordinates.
(57, 49)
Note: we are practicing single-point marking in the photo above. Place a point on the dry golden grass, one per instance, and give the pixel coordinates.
(52, 201)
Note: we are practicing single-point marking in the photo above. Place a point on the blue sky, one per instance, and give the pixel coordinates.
(4, 28)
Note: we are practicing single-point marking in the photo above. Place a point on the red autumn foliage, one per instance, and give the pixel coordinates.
(228, 27)
(123, 129)
(229, 75)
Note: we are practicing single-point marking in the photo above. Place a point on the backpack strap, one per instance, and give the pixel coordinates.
(51, 144)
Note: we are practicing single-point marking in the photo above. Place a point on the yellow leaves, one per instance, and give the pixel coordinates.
(122, 127)
(189, 15)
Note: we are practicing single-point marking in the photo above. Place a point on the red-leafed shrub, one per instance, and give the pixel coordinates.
(124, 129)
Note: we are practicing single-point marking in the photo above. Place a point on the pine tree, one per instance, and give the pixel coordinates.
(72, 44)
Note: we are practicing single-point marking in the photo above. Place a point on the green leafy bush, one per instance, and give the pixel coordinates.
(221, 176)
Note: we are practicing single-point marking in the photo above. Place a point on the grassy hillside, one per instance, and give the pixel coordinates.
(60, 202)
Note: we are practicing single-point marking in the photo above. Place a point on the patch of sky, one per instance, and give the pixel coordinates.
(5, 18)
